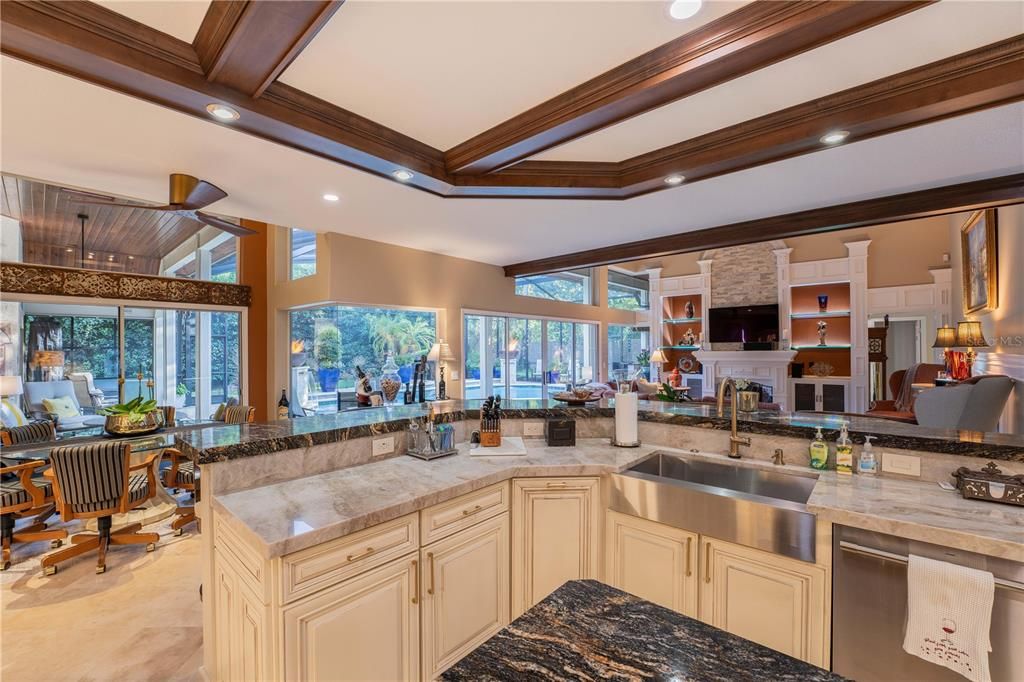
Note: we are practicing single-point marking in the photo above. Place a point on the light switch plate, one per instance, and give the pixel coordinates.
(383, 446)
(454, 375)
(907, 465)
(533, 428)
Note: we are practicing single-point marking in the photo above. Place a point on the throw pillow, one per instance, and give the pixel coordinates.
(218, 416)
(60, 407)
(11, 414)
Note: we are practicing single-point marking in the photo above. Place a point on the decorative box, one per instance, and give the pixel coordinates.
(560, 432)
(990, 484)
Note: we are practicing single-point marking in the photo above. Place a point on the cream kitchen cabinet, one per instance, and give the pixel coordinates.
(241, 627)
(654, 561)
(465, 590)
(556, 535)
(773, 600)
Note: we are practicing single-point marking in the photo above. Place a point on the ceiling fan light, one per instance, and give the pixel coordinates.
(402, 175)
(684, 9)
(222, 112)
(835, 137)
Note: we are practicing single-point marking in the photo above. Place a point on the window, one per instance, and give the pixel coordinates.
(521, 358)
(224, 261)
(628, 348)
(572, 286)
(210, 255)
(628, 292)
(301, 253)
(329, 343)
(86, 335)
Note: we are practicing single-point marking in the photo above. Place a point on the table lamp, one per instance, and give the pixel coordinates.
(441, 353)
(945, 338)
(10, 387)
(969, 336)
(658, 359)
(49, 360)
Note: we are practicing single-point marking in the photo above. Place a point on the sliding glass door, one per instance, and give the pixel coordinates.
(523, 358)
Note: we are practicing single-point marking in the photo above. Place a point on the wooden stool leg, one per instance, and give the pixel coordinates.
(103, 524)
(5, 562)
(7, 533)
(80, 545)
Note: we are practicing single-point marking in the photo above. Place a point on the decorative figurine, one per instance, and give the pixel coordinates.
(689, 338)
(822, 330)
(688, 309)
(822, 303)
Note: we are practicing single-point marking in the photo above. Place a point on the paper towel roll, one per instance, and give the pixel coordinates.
(626, 432)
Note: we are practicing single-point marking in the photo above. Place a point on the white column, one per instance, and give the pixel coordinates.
(708, 381)
(785, 302)
(858, 259)
(204, 359)
(654, 317)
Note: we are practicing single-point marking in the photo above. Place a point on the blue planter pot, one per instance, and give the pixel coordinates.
(328, 379)
(473, 373)
(405, 373)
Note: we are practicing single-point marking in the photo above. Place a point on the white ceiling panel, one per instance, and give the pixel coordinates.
(445, 71)
(179, 18)
(42, 138)
(920, 37)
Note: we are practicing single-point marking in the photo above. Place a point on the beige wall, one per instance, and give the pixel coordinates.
(900, 253)
(359, 271)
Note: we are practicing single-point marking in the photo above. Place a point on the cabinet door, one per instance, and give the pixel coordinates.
(241, 626)
(804, 396)
(465, 588)
(653, 561)
(833, 397)
(366, 628)
(556, 536)
(775, 601)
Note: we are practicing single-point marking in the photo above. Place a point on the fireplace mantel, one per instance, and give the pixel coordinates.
(769, 367)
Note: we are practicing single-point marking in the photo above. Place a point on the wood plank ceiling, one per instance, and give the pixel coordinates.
(119, 238)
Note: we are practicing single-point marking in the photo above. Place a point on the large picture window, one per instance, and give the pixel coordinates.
(628, 291)
(522, 358)
(301, 253)
(572, 286)
(328, 344)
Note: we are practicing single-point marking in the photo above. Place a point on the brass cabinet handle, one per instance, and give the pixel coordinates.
(707, 562)
(363, 555)
(689, 543)
(469, 512)
(416, 581)
(430, 558)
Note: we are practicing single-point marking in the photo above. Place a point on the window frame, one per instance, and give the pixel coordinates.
(291, 254)
(584, 274)
(624, 285)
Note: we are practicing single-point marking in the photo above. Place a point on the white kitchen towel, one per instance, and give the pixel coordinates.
(949, 613)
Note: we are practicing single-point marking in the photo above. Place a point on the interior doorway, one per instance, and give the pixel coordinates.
(904, 346)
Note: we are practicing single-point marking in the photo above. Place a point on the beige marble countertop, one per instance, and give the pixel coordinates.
(290, 516)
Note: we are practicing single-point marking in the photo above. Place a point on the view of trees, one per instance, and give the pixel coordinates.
(572, 286)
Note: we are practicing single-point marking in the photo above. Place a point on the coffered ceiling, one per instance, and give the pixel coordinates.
(489, 103)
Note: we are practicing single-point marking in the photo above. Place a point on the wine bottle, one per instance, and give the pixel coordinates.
(283, 411)
(442, 388)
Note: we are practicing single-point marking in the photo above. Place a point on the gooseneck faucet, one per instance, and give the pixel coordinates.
(735, 440)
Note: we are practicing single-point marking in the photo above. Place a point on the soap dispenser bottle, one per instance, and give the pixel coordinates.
(844, 452)
(819, 451)
(868, 463)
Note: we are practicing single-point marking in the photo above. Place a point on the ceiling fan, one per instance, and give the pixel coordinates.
(188, 194)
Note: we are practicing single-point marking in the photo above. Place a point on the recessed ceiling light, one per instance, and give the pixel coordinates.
(69, 250)
(835, 137)
(684, 9)
(90, 255)
(674, 180)
(110, 258)
(330, 197)
(222, 112)
(402, 175)
(131, 257)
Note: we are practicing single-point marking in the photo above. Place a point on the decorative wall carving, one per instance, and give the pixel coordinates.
(23, 278)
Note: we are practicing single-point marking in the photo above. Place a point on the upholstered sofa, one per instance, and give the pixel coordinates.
(972, 405)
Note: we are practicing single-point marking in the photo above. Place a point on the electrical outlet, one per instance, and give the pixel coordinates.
(907, 465)
(383, 446)
(533, 428)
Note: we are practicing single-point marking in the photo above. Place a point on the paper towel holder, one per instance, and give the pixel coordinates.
(617, 444)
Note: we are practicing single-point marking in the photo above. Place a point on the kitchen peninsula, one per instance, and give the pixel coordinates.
(309, 541)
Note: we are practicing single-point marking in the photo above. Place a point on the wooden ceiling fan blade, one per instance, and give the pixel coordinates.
(202, 195)
(221, 224)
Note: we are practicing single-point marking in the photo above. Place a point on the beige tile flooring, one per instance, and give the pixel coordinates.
(141, 620)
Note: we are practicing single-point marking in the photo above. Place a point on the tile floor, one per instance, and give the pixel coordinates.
(141, 620)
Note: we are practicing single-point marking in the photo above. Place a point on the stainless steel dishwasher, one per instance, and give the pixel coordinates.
(869, 609)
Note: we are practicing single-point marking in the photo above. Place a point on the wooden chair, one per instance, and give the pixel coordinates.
(42, 431)
(21, 496)
(181, 475)
(239, 414)
(96, 481)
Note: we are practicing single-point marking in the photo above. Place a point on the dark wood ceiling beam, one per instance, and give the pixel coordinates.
(752, 37)
(968, 196)
(247, 44)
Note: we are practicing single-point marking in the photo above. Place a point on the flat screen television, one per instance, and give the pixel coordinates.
(744, 324)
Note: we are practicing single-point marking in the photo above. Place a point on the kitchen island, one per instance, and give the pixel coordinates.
(586, 630)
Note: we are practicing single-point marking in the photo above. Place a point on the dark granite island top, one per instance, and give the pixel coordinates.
(586, 630)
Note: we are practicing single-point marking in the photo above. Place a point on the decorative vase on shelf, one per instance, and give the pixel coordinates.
(822, 330)
(688, 310)
(822, 303)
(390, 381)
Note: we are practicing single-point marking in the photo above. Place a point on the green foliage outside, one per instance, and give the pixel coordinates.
(328, 348)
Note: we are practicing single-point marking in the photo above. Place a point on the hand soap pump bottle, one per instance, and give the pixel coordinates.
(819, 451)
(844, 452)
(867, 464)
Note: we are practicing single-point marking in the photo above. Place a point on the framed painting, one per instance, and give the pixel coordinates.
(980, 261)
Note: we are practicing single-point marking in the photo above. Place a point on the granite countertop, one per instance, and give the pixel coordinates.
(222, 443)
(586, 630)
(292, 515)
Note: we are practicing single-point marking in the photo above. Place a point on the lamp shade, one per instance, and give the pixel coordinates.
(968, 334)
(659, 356)
(945, 337)
(441, 351)
(10, 386)
(48, 358)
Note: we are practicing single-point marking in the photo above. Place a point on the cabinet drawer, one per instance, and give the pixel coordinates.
(318, 567)
(446, 518)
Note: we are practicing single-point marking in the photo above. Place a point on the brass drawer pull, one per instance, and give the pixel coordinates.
(707, 562)
(689, 544)
(470, 512)
(416, 582)
(354, 557)
(430, 558)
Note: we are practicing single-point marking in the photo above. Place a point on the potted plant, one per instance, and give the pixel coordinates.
(328, 358)
(180, 395)
(133, 418)
(643, 359)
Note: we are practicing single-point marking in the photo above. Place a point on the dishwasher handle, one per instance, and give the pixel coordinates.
(854, 548)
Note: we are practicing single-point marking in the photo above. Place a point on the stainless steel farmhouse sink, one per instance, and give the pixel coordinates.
(750, 506)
